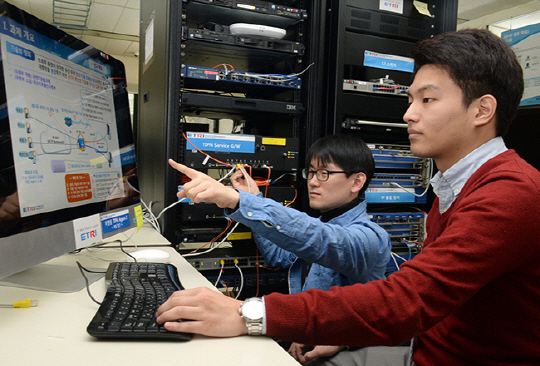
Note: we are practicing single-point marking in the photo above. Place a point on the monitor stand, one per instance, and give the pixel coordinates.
(52, 277)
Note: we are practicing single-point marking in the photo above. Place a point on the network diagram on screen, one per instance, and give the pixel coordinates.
(62, 120)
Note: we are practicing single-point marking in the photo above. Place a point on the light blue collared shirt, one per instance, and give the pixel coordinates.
(448, 185)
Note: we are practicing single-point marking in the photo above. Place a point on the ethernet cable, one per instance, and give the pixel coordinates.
(213, 248)
(395, 184)
(21, 304)
(222, 262)
(241, 278)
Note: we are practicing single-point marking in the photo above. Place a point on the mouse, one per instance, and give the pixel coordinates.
(150, 255)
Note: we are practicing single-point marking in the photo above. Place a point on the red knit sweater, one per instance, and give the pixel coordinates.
(472, 297)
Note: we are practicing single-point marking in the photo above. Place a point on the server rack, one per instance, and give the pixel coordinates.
(367, 79)
(361, 27)
(182, 38)
(186, 57)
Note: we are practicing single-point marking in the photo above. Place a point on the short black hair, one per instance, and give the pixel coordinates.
(349, 153)
(480, 63)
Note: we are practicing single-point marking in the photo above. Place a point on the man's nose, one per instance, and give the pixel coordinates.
(410, 114)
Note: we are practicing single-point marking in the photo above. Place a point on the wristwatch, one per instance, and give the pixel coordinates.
(252, 311)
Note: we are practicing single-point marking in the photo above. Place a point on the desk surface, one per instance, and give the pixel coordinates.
(54, 333)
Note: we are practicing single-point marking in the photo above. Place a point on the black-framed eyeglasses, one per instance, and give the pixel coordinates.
(321, 174)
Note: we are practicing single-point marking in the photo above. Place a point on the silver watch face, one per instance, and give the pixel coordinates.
(253, 309)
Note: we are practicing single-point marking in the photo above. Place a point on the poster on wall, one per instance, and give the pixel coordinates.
(525, 42)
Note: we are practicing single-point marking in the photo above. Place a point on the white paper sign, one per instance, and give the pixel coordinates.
(395, 6)
(87, 231)
(149, 42)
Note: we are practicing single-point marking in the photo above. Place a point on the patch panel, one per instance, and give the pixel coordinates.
(242, 77)
(203, 264)
(375, 87)
(400, 176)
(404, 180)
(402, 226)
(396, 156)
(250, 279)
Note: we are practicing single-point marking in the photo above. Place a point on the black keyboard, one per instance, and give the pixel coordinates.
(134, 293)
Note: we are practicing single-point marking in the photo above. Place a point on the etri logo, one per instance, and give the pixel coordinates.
(391, 5)
(89, 235)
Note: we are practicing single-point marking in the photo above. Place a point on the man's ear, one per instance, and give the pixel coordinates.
(487, 107)
(359, 181)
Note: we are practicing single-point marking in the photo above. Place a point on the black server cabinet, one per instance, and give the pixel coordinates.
(368, 71)
(362, 27)
(186, 52)
(158, 107)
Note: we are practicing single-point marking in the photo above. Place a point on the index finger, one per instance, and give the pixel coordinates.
(192, 173)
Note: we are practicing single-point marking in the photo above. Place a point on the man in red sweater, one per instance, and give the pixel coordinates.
(472, 297)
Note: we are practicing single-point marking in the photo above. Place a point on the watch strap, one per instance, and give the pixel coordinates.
(254, 328)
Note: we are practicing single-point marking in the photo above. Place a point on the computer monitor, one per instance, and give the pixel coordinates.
(67, 158)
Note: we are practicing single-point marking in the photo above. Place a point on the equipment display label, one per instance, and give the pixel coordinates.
(221, 142)
(115, 221)
(388, 62)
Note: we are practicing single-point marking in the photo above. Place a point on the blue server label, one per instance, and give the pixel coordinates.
(389, 195)
(128, 157)
(185, 199)
(221, 142)
(388, 62)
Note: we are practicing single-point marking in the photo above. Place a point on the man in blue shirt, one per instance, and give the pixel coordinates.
(343, 245)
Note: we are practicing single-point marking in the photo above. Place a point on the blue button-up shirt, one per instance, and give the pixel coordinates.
(345, 250)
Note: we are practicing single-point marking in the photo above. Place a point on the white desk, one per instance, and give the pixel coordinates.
(54, 333)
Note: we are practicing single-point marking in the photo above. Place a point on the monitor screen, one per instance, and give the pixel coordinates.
(67, 159)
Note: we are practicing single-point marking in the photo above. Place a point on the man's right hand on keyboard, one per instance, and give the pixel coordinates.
(211, 313)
